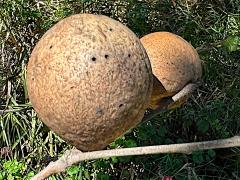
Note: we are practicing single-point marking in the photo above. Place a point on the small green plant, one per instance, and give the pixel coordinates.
(13, 170)
(200, 157)
(232, 43)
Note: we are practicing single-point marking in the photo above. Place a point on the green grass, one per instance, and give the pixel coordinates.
(213, 27)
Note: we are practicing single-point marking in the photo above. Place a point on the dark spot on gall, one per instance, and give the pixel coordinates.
(94, 59)
(99, 112)
(110, 29)
(106, 56)
(51, 47)
(120, 105)
(129, 55)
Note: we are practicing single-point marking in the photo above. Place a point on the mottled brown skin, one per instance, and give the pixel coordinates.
(175, 64)
(90, 80)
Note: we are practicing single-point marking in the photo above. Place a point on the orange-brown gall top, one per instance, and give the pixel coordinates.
(90, 80)
(175, 63)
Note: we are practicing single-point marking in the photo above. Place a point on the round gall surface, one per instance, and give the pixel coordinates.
(89, 79)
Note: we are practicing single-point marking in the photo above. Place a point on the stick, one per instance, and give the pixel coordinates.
(186, 91)
(75, 156)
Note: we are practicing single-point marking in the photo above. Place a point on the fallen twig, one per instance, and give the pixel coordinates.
(75, 156)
